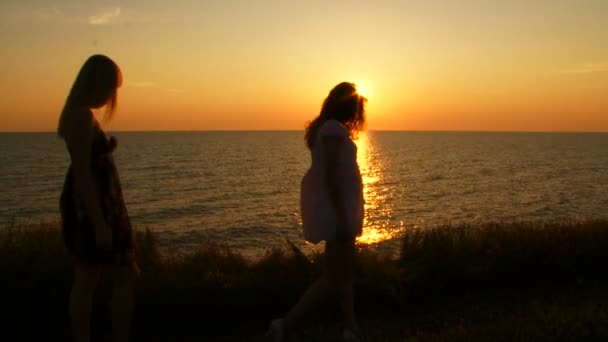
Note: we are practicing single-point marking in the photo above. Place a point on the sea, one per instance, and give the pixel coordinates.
(241, 188)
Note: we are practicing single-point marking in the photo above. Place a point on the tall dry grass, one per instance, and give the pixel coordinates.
(184, 290)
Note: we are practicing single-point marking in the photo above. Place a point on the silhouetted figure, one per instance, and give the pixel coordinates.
(332, 206)
(96, 226)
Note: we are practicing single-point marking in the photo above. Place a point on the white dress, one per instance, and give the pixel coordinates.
(319, 217)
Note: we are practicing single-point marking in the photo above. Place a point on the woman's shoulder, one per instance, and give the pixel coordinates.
(79, 117)
(333, 128)
(77, 123)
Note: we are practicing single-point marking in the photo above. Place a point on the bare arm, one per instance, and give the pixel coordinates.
(332, 147)
(79, 137)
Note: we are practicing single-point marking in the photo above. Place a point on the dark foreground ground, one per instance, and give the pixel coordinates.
(528, 281)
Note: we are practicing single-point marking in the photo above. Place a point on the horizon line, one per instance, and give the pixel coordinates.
(301, 130)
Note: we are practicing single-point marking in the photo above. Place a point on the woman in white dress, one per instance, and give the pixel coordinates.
(331, 201)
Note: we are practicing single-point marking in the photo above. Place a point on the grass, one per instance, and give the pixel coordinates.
(524, 281)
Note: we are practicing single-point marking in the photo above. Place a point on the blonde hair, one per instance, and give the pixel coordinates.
(95, 86)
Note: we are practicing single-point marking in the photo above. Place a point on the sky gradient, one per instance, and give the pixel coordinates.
(216, 65)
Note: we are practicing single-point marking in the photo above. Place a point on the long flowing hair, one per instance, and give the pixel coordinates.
(95, 86)
(343, 104)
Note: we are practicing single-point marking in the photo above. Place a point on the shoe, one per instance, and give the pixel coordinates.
(351, 336)
(276, 331)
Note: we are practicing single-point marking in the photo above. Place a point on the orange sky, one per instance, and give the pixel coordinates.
(427, 65)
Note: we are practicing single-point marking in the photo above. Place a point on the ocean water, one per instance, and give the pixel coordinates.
(242, 188)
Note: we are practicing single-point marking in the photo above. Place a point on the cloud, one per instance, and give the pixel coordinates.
(90, 16)
(53, 13)
(587, 68)
(105, 17)
(56, 11)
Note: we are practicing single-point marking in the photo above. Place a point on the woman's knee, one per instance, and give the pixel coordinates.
(340, 258)
(85, 282)
(125, 274)
(338, 279)
(86, 274)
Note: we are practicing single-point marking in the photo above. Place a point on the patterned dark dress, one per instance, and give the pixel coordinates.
(78, 227)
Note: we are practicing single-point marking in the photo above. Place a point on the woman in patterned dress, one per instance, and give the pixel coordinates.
(95, 224)
(332, 206)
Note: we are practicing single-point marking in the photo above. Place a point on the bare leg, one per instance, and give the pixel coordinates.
(341, 269)
(345, 294)
(122, 301)
(81, 299)
(315, 294)
(338, 278)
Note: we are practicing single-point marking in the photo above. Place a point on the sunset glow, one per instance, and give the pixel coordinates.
(362, 89)
(376, 205)
(240, 65)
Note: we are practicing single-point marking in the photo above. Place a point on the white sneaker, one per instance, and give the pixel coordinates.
(276, 331)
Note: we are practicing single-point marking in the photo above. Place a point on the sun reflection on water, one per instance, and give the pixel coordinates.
(376, 225)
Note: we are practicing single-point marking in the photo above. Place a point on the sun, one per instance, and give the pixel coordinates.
(362, 89)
